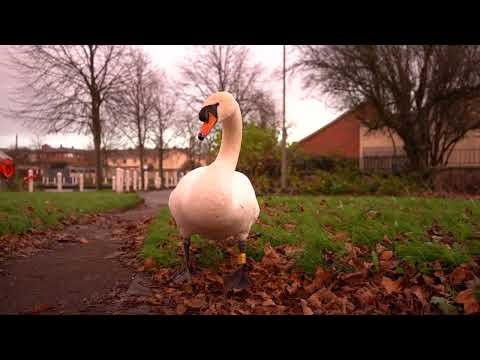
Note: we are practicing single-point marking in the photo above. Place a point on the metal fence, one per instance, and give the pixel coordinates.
(395, 164)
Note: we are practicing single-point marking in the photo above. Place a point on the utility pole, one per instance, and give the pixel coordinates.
(15, 160)
(284, 133)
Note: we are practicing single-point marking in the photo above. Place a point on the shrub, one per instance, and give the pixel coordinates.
(260, 154)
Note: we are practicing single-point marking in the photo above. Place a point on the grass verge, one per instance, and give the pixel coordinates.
(417, 230)
(20, 211)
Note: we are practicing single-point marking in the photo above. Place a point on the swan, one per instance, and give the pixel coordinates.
(215, 201)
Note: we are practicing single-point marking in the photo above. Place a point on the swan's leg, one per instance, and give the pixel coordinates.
(239, 278)
(185, 274)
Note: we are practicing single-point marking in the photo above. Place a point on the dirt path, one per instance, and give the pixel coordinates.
(81, 277)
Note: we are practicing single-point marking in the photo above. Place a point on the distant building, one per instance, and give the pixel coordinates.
(347, 137)
(175, 163)
(48, 161)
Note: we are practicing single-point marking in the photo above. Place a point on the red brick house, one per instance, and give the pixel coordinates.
(347, 137)
(341, 137)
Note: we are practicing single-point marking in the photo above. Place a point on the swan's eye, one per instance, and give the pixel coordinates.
(203, 114)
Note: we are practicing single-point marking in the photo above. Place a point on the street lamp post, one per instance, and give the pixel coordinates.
(284, 132)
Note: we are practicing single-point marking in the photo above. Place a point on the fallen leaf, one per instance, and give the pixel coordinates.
(41, 308)
(290, 250)
(149, 263)
(341, 236)
(322, 296)
(439, 289)
(214, 278)
(458, 275)
(386, 255)
(305, 308)
(387, 240)
(372, 214)
(268, 302)
(314, 300)
(443, 305)
(251, 302)
(418, 292)
(113, 255)
(365, 296)
(467, 299)
(353, 278)
(180, 309)
(196, 303)
(380, 248)
(292, 289)
(390, 285)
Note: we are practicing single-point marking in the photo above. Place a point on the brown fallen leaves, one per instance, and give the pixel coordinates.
(35, 239)
(149, 263)
(390, 285)
(469, 302)
(280, 288)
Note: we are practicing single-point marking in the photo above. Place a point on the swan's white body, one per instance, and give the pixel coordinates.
(215, 201)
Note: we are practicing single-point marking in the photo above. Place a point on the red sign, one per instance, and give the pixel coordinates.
(7, 168)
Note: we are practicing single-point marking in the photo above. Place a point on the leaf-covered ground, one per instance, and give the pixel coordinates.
(331, 255)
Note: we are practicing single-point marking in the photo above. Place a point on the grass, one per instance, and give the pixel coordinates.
(20, 211)
(162, 241)
(317, 224)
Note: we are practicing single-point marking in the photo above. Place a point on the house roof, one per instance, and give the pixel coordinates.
(4, 156)
(331, 123)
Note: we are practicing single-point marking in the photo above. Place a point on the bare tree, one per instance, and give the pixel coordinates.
(64, 88)
(216, 68)
(428, 94)
(134, 107)
(186, 128)
(36, 142)
(266, 113)
(165, 102)
(112, 138)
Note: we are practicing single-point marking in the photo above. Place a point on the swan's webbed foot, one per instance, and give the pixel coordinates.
(237, 280)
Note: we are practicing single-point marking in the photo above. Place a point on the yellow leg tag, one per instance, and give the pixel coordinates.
(242, 258)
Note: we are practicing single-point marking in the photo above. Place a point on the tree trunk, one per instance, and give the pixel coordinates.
(142, 175)
(97, 141)
(416, 158)
(160, 164)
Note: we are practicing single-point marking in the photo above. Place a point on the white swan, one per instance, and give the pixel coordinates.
(215, 201)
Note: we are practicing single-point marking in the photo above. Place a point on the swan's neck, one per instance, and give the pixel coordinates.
(231, 142)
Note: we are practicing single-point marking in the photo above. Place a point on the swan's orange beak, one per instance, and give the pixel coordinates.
(207, 126)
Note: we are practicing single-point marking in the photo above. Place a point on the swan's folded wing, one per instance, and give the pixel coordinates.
(244, 196)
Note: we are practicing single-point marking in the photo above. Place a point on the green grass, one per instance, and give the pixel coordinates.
(20, 211)
(317, 224)
(162, 241)
(158, 243)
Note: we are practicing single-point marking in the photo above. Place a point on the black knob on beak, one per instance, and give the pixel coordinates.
(203, 114)
(201, 137)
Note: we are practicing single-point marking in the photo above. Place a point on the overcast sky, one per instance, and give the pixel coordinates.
(304, 113)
